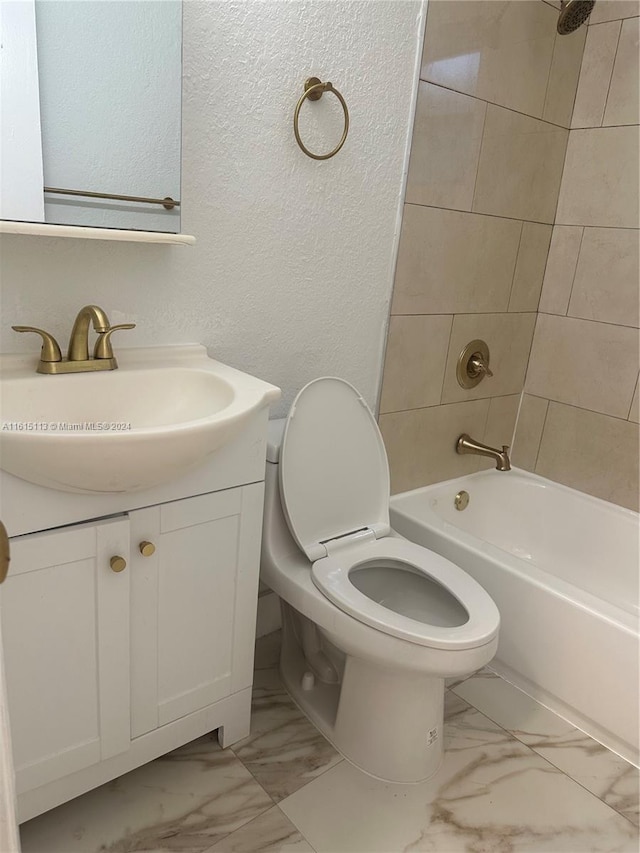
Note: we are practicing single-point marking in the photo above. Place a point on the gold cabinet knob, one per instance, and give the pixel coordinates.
(147, 548)
(118, 564)
(4, 553)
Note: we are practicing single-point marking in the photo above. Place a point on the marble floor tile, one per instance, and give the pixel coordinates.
(492, 795)
(284, 750)
(271, 832)
(599, 770)
(185, 801)
(485, 672)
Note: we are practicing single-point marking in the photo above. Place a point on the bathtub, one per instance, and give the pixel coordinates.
(563, 569)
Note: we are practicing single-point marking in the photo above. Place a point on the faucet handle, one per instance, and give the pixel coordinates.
(50, 349)
(103, 348)
(478, 366)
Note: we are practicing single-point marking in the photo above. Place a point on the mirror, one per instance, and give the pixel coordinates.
(91, 108)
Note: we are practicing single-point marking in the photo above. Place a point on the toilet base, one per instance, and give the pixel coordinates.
(388, 723)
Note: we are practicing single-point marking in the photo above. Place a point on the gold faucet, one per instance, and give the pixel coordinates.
(466, 444)
(78, 359)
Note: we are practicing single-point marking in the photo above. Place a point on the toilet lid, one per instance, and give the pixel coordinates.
(334, 475)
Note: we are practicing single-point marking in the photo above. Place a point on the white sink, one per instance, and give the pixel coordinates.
(160, 414)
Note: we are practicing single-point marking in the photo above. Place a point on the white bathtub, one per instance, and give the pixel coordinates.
(563, 569)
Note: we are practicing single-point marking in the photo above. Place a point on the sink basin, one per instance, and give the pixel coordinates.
(159, 415)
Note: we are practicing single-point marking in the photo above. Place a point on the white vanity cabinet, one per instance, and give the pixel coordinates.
(191, 603)
(108, 669)
(65, 629)
(129, 611)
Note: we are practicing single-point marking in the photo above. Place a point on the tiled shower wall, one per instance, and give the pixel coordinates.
(494, 107)
(579, 419)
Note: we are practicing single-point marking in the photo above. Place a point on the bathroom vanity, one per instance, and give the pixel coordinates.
(128, 618)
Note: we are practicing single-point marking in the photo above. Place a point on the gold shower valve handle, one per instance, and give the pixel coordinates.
(477, 366)
(473, 364)
(147, 549)
(118, 564)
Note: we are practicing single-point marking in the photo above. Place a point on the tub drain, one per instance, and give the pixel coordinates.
(461, 500)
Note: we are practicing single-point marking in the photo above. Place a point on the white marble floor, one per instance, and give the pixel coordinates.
(515, 778)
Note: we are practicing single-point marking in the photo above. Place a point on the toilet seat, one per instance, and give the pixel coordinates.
(331, 575)
(334, 488)
(334, 474)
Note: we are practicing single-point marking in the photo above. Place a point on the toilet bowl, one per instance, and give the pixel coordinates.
(372, 623)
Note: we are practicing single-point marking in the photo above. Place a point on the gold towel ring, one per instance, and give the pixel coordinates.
(314, 90)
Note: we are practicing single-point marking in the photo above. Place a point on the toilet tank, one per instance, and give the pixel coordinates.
(278, 545)
(275, 431)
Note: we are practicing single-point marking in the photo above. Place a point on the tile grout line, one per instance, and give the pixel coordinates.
(456, 403)
(513, 734)
(623, 420)
(544, 424)
(513, 314)
(495, 104)
(527, 219)
(583, 319)
(612, 20)
(547, 87)
(635, 388)
(526, 369)
(546, 264)
(515, 268)
(475, 180)
(446, 362)
(242, 826)
(613, 68)
(575, 273)
(293, 823)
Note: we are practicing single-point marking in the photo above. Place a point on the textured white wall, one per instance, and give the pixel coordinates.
(292, 273)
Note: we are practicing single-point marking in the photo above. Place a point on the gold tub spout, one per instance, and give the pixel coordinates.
(466, 444)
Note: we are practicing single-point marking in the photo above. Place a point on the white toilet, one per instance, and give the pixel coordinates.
(372, 623)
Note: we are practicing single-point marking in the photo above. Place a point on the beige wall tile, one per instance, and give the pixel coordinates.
(500, 51)
(597, 65)
(634, 413)
(623, 102)
(526, 444)
(591, 452)
(611, 10)
(586, 364)
(508, 337)
(421, 443)
(501, 420)
(600, 181)
(446, 145)
(451, 261)
(530, 266)
(520, 166)
(560, 269)
(605, 287)
(414, 363)
(563, 78)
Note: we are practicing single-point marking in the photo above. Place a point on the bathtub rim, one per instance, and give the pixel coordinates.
(626, 620)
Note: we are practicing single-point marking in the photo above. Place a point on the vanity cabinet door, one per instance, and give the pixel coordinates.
(193, 603)
(65, 631)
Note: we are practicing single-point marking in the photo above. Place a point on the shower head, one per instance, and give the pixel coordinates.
(573, 13)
